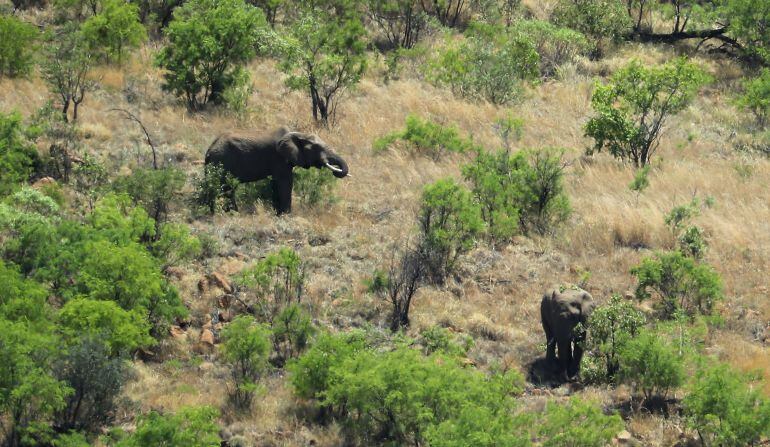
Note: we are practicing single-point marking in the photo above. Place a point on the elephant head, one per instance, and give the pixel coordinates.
(306, 151)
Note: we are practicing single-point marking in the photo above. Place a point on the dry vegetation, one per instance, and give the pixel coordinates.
(497, 300)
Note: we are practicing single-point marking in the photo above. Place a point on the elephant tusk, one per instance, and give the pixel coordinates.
(332, 167)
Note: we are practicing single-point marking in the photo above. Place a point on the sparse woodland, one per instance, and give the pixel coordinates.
(496, 148)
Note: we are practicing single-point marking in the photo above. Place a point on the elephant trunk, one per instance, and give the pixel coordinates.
(337, 165)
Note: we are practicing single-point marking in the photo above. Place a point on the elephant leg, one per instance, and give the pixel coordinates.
(282, 186)
(565, 354)
(550, 341)
(577, 356)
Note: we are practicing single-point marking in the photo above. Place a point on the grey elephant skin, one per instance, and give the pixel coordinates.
(561, 310)
(252, 157)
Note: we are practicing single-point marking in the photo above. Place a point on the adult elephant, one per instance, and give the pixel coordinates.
(254, 157)
(564, 313)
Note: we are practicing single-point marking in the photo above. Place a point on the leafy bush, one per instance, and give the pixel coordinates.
(490, 63)
(577, 423)
(153, 189)
(311, 374)
(631, 110)
(17, 46)
(725, 409)
(682, 284)
(314, 187)
(651, 365)
(121, 331)
(96, 378)
(437, 339)
(246, 348)
(275, 281)
(66, 69)
(19, 159)
(404, 275)
(213, 186)
(426, 137)
(401, 22)
(756, 96)
(555, 46)
(208, 43)
(114, 30)
(747, 24)
(323, 53)
(450, 222)
(611, 327)
(292, 330)
(189, 427)
(602, 19)
(21, 299)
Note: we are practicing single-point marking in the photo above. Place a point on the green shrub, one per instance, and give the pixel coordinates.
(428, 137)
(66, 69)
(555, 46)
(311, 374)
(292, 330)
(275, 282)
(632, 109)
(208, 44)
(651, 366)
(21, 299)
(114, 30)
(153, 189)
(400, 22)
(681, 283)
(212, 187)
(725, 409)
(578, 423)
(17, 46)
(121, 331)
(246, 347)
(756, 96)
(692, 242)
(90, 179)
(611, 327)
(28, 221)
(437, 339)
(323, 53)
(489, 63)
(602, 19)
(450, 222)
(19, 159)
(641, 181)
(189, 427)
(315, 187)
(747, 24)
(548, 204)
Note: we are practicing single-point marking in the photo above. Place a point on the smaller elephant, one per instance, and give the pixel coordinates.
(252, 157)
(564, 313)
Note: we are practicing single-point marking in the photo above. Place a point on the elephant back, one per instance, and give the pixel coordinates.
(572, 299)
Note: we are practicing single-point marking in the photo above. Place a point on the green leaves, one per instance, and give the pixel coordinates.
(18, 157)
(246, 347)
(428, 137)
(578, 423)
(17, 46)
(115, 29)
(612, 326)
(756, 96)
(651, 365)
(189, 427)
(275, 281)
(631, 110)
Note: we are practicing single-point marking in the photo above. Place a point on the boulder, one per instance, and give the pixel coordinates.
(219, 280)
(207, 337)
(177, 333)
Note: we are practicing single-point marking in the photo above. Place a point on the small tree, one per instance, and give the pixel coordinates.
(270, 8)
(681, 283)
(324, 54)
(450, 222)
(17, 46)
(612, 326)
(756, 96)
(600, 19)
(577, 423)
(631, 111)
(548, 205)
(114, 29)
(651, 366)
(403, 280)
(276, 282)
(66, 69)
(19, 159)
(555, 45)
(400, 21)
(154, 190)
(748, 25)
(208, 43)
(246, 348)
(292, 330)
(449, 13)
(725, 409)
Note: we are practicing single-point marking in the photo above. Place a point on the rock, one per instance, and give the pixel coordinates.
(624, 436)
(219, 280)
(206, 366)
(175, 272)
(203, 285)
(468, 362)
(177, 332)
(45, 181)
(629, 295)
(207, 337)
(225, 301)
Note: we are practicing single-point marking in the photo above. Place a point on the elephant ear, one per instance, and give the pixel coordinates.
(289, 148)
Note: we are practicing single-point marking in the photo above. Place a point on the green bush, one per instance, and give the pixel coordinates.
(425, 136)
(19, 159)
(153, 189)
(611, 327)
(756, 96)
(66, 69)
(602, 19)
(555, 46)
(578, 423)
(189, 427)
(17, 46)
(437, 339)
(121, 331)
(747, 24)
(246, 347)
(208, 43)
(681, 283)
(21, 299)
(450, 222)
(632, 109)
(114, 30)
(651, 366)
(212, 188)
(725, 409)
(311, 374)
(275, 282)
(520, 192)
(314, 187)
(489, 63)
(291, 332)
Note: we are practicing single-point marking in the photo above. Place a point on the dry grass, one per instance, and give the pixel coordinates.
(498, 297)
